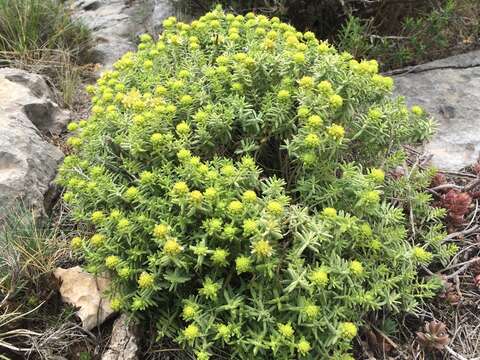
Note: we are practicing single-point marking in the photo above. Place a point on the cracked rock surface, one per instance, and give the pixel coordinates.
(449, 89)
(116, 24)
(28, 162)
(123, 343)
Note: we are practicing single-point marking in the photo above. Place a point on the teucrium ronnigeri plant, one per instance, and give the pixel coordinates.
(233, 174)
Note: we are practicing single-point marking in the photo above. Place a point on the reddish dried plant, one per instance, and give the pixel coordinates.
(458, 205)
(434, 336)
(476, 168)
(439, 179)
(449, 292)
(377, 342)
(476, 280)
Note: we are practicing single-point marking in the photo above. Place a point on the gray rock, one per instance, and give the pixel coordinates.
(124, 342)
(116, 24)
(28, 163)
(30, 94)
(449, 89)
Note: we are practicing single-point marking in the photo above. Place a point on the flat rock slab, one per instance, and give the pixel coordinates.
(28, 162)
(116, 24)
(85, 292)
(449, 89)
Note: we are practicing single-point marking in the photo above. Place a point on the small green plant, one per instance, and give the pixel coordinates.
(40, 36)
(27, 25)
(426, 35)
(29, 251)
(239, 180)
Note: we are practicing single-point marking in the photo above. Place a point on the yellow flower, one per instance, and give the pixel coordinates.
(219, 257)
(325, 86)
(377, 175)
(236, 86)
(384, 82)
(97, 240)
(116, 304)
(210, 193)
(249, 196)
(97, 217)
(274, 208)
(315, 121)
(311, 310)
(180, 188)
(312, 140)
(172, 247)
(249, 226)
(248, 162)
(184, 154)
(131, 193)
(235, 207)
(336, 131)
(72, 126)
(156, 138)
(209, 289)
(299, 58)
(183, 128)
(417, 110)
(191, 332)
(262, 248)
(145, 38)
(371, 197)
(228, 170)
(145, 280)
(189, 312)
(160, 90)
(303, 111)
(183, 74)
(124, 272)
(196, 197)
(186, 100)
(224, 331)
(309, 158)
(223, 59)
(243, 264)
(76, 242)
(147, 64)
(123, 226)
(283, 94)
(335, 101)
(422, 255)
(74, 141)
(286, 330)
(303, 347)
(366, 230)
(268, 44)
(306, 82)
(160, 230)
(356, 267)
(348, 330)
(146, 177)
(112, 261)
(319, 277)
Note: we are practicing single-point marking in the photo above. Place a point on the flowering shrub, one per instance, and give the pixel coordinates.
(234, 176)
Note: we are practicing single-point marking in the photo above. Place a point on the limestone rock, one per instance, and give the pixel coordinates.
(449, 89)
(30, 94)
(124, 342)
(85, 291)
(116, 24)
(28, 163)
